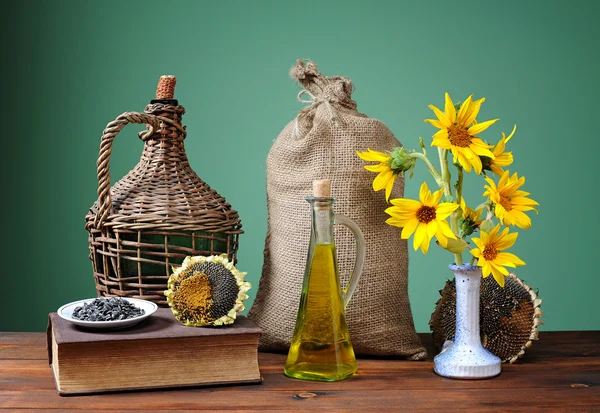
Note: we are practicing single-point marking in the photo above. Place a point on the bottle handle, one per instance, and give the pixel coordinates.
(361, 253)
(110, 132)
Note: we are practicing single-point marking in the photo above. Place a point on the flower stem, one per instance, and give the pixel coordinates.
(446, 177)
(432, 170)
(459, 184)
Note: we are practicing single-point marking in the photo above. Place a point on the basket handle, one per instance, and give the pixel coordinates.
(109, 134)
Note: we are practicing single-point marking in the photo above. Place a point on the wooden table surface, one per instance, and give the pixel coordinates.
(559, 373)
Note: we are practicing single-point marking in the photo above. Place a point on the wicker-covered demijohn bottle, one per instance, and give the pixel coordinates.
(159, 213)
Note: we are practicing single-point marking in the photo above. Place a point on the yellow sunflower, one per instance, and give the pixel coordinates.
(501, 158)
(386, 175)
(425, 219)
(457, 132)
(491, 260)
(511, 203)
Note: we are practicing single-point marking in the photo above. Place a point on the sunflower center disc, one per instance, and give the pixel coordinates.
(490, 252)
(195, 294)
(426, 214)
(505, 202)
(459, 136)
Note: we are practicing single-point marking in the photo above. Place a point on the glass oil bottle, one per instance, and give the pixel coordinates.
(321, 348)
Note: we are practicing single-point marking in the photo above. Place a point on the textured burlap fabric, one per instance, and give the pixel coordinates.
(321, 144)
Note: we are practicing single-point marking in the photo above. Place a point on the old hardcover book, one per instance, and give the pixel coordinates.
(159, 352)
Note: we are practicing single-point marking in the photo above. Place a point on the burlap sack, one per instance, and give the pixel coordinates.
(322, 143)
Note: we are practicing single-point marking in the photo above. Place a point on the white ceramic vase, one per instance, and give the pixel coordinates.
(466, 358)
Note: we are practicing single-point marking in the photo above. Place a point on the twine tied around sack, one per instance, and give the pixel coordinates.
(322, 90)
(314, 102)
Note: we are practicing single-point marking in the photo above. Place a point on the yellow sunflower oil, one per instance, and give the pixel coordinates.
(321, 348)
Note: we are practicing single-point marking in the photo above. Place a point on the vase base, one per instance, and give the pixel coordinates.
(466, 362)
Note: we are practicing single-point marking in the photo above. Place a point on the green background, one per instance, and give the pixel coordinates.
(70, 67)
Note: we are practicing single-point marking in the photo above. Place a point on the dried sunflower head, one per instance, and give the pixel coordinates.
(206, 291)
(509, 317)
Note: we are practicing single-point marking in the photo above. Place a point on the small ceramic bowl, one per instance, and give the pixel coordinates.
(66, 313)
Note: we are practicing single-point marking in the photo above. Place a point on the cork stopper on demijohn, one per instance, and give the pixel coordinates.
(322, 188)
(166, 87)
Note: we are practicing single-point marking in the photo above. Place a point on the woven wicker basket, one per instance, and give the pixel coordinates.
(159, 213)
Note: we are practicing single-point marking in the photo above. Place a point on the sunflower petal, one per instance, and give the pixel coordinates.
(496, 169)
(498, 276)
(500, 146)
(480, 127)
(499, 267)
(464, 108)
(377, 168)
(442, 239)
(442, 211)
(494, 233)
(507, 241)
(506, 258)
(449, 108)
(382, 180)
(390, 186)
(436, 197)
(435, 122)
(425, 245)
(477, 165)
(406, 204)
(504, 159)
(462, 160)
(424, 194)
(521, 219)
(432, 228)
(373, 156)
(522, 201)
(398, 222)
(442, 143)
(441, 116)
(481, 149)
(472, 112)
(512, 133)
(486, 268)
(445, 229)
(409, 228)
(419, 236)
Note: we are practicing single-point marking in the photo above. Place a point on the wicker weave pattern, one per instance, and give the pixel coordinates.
(158, 214)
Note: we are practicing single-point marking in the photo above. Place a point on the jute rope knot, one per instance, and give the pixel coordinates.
(330, 92)
(315, 102)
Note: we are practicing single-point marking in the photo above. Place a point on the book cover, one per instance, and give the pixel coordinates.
(159, 352)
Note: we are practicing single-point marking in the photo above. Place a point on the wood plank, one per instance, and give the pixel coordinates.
(22, 338)
(507, 409)
(28, 375)
(27, 346)
(551, 344)
(562, 369)
(366, 400)
(32, 346)
(15, 352)
(137, 411)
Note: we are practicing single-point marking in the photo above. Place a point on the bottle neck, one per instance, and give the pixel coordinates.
(467, 308)
(165, 145)
(323, 219)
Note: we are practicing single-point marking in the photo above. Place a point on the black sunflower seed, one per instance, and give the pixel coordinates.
(107, 309)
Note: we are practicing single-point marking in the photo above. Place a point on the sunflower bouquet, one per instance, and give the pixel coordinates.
(444, 213)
